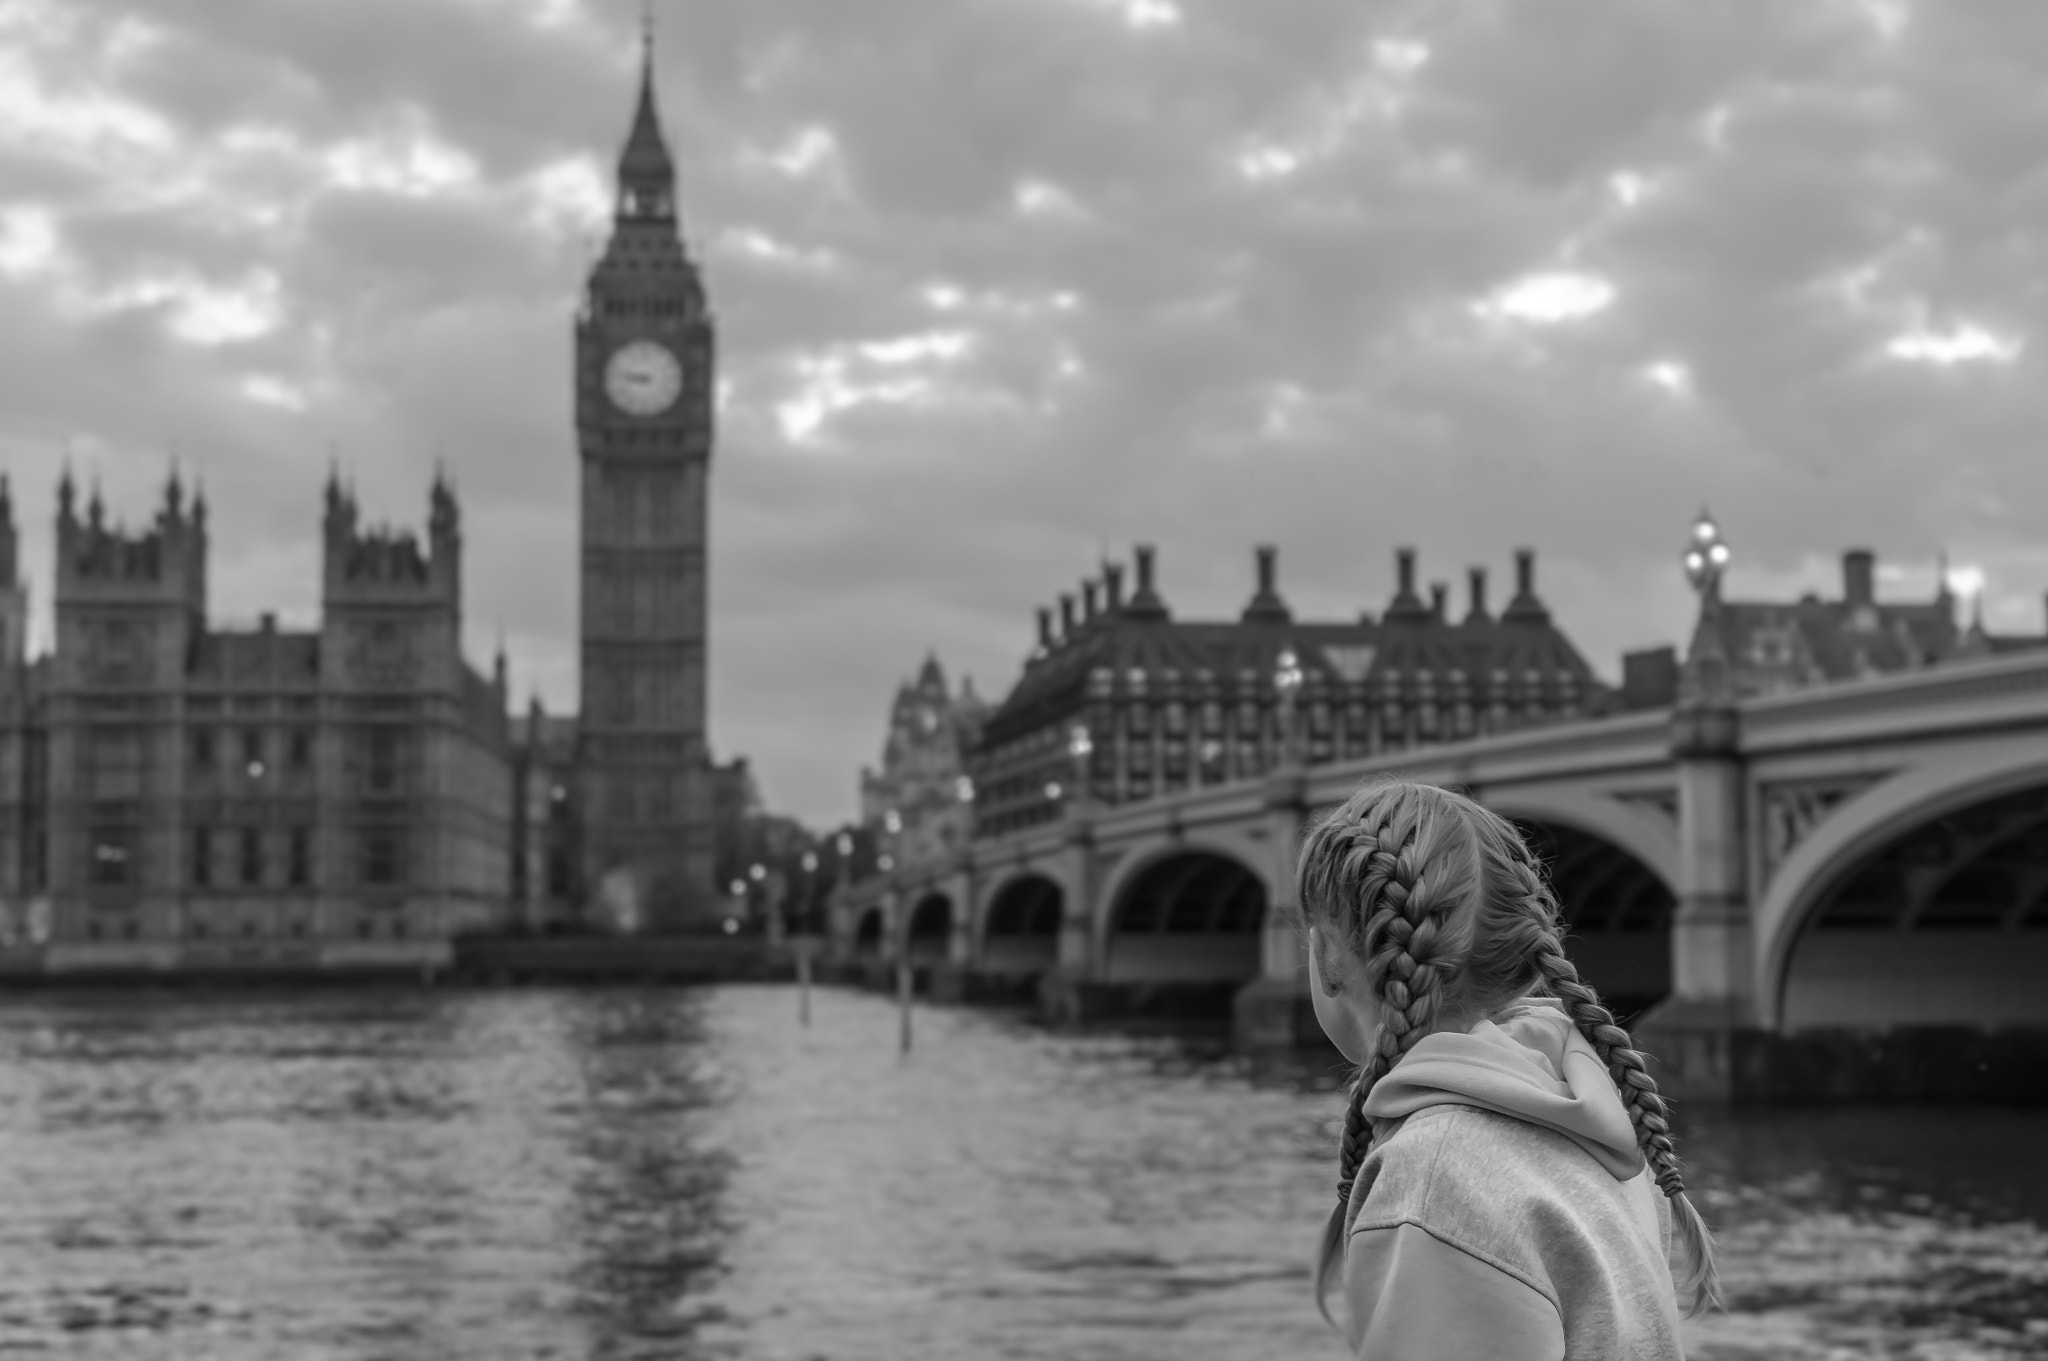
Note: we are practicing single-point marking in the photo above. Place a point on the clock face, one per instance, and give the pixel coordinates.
(642, 378)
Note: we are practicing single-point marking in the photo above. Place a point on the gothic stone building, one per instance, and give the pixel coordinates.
(178, 794)
(915, 803)
(1170, 704)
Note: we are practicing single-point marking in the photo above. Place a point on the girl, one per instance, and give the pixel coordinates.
(1495, 1193)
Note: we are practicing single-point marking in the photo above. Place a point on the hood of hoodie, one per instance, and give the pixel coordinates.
(1527, 1061)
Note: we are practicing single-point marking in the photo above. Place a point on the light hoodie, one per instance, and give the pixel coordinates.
(1505, 1211)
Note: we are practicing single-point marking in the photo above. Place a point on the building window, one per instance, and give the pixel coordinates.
(252, 746)
(202, 748)
(383, 759)
(252, 855)
(299, 754)
(202, 856)
(111, 856)
(300, 867)
(381, 856)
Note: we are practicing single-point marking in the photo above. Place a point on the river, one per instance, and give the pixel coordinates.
(342, 1176)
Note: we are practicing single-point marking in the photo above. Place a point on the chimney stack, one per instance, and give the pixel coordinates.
(1859, 577)
(1404, 559)
(1066, 616)
(1145, 602)
(1044, 627)
(1525, 571)
(1439, 599)
(1088, 602)
(1113, 584)
(1478, 578)
(1266, 604)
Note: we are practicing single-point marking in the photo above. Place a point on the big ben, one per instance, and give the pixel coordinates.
(644, 392)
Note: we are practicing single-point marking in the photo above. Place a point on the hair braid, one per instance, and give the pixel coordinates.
(1381, 873)
(1647, 1109)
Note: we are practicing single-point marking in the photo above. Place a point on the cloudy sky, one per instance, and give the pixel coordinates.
(1004, 283)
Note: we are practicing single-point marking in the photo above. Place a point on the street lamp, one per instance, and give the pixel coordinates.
(804, 914)
(1706, 556)
(1287, 681)
(963, 789)
(1080, 746)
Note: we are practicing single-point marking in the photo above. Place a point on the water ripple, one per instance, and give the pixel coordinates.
(658, 1174)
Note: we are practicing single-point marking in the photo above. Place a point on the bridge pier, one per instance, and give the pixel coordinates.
(1273, 1011)
(1697, 1037)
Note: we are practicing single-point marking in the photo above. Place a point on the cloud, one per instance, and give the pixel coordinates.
(1000, 286)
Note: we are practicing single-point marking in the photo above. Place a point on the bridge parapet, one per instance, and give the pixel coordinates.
(1956, 696)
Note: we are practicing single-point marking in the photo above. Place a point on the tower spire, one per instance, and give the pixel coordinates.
(647, 176)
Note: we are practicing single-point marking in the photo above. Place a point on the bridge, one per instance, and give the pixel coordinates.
(1826, 889)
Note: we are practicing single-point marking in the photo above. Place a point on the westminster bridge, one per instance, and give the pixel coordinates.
(1782, 886)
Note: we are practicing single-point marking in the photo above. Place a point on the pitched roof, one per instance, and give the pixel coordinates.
(1225, 660)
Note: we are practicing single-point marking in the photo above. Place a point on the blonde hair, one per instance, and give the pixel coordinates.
(1450, 912)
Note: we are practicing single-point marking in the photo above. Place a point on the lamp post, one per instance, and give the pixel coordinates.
(1706, 677)
(1706, 556)
(1080, 746)
(843, 844)
(1287, 681)
(805, 914)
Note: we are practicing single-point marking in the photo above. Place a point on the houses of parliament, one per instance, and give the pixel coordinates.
(358, 793)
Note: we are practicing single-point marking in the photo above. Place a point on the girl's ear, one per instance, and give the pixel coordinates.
(1320, 973)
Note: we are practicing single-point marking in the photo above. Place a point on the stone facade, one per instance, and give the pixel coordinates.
(932, 730)
(176, 792)
(1170, 705)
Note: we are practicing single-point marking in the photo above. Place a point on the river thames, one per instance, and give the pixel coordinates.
(691, 1173)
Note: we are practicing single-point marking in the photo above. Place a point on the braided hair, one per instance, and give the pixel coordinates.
(1451, 914)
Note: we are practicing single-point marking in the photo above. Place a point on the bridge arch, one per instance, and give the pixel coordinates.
(867, 933)
(1142, 857)
(1618, 905)
(1187, 914)
(1921, 900)
(928, 932)
(1650, 839)
(1020, 928)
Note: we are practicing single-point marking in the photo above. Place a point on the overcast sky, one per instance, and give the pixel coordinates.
(1001, 282)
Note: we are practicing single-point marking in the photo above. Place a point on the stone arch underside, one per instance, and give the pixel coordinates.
(1188, 917)
(929, 930)
(867, 935)
(1617, 913)
(1021, 932)
(1944, 922)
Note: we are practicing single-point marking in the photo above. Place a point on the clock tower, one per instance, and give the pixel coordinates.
(644, 379)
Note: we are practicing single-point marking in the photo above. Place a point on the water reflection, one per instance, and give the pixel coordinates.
(644, 1188)
(656, 1174)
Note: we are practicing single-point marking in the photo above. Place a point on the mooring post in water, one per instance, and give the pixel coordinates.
(903, 978)
(803, 981)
